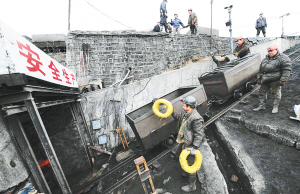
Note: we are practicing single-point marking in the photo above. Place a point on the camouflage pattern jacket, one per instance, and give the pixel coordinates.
(193, 133)
(276, 68)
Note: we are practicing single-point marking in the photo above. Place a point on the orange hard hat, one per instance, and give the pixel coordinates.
(239, 38)
(272, 47)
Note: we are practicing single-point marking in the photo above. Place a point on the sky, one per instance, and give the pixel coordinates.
(51, 16)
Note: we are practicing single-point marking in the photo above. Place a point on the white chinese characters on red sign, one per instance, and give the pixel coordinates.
(58, 74)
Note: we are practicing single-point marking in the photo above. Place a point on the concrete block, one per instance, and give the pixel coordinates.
(288, 141)
(298, 145)
(250, 174)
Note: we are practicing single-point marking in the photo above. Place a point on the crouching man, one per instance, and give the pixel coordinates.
(273, 73)
(190, 136)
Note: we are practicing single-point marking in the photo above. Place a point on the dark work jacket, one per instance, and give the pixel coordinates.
(193, 133)
(261, 22)
(156, 28)
(276, 68)
(242, 50)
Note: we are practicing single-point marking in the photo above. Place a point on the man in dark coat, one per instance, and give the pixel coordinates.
(260, 25)
(190, 136)
(156, 27)
(163, 15)
(242, 49)
(273, 73)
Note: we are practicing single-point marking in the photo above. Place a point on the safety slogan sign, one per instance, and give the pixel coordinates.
(18, 55)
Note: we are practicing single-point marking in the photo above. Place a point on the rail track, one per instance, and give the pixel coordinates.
(165, 152)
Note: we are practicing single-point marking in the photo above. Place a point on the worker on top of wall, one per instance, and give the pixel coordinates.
(156, 27)
(163, 15)
(176, 24)
(242, 49)
(223, 61)
(190, 136)
(260, 25)
(192, 21)
(273, 73)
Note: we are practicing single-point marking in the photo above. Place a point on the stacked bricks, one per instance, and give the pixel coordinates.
(148, 54)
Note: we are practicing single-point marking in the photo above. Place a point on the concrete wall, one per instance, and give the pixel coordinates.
(12, 169)
(283, 45)
(148, 54)
(98, 105)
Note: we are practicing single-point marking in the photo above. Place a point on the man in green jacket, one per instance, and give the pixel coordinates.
(273, 73)
(190, 136)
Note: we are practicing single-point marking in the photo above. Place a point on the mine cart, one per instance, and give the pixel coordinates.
(150, 130)
(232, 79)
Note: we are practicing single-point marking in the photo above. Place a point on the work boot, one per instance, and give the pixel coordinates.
(188, 188)
(275, 106)
(192, 183)
(261, 107)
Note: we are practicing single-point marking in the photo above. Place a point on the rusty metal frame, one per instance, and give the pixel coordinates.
(10, 110)
(39, 180)
(14, 97)
(81, 132)
(47, 145)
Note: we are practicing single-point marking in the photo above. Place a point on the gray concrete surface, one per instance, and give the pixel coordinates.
(12, 169)
(212, 180)
(251, 176)
(277, 163)
(48, 37)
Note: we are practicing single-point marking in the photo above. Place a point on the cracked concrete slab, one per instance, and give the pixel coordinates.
(278, 164)
(209, 174)
(247, 169)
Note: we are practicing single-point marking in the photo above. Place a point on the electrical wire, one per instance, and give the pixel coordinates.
(107, 15)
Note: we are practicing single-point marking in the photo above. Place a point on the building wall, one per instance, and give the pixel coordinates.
(148, 54)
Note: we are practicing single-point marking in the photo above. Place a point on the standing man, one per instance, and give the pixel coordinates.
(273, 73)
(190, 136)
(260, 25)
(176, 24)
(156, 27)
(242, 49)
(163, 15)
(193, 21)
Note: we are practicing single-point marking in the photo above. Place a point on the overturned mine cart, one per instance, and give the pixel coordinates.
(150, 130)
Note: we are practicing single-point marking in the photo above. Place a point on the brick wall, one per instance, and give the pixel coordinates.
(148, 54)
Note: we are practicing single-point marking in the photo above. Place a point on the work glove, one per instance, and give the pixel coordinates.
(192, 150)
(281, 83)
(258, 81)
(192, 23)
(236, 54)
(212, 54)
